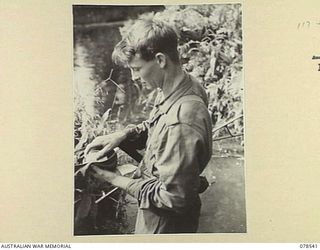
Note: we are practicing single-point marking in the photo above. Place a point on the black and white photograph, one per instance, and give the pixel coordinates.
(158, 119)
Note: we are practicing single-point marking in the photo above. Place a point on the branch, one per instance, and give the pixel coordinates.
(117, 85)
(106, 195)
(225, 124)
(109, 79)
(226, 137)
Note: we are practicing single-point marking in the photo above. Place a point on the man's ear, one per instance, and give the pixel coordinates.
(161, 60)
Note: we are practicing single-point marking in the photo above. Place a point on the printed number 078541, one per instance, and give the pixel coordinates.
(308, 246)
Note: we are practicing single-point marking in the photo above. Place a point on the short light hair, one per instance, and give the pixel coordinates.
(147, 37)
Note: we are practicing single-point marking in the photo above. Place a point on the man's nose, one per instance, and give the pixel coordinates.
(135, 76)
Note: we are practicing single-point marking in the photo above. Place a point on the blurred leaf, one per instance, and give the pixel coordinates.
(84, 207)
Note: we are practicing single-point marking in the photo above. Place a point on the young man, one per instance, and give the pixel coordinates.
(179, 144)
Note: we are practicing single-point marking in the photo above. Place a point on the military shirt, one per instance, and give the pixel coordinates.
(178, 148)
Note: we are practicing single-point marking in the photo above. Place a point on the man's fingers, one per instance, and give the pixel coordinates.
(103, 152)
(97, 170)
(97, 176)
(94, 174)
(88, 148)
(97, 173)
(95, 143)
(94, 170)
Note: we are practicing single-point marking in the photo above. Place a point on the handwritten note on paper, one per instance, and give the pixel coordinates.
(312, 26)
(308, 24)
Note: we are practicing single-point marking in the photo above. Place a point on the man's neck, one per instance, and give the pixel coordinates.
(172, 79)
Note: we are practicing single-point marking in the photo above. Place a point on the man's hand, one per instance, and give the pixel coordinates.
(102, 175)
(113, 178)
(105, 143)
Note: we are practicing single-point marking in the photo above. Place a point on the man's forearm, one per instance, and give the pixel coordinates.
(117, 180)
(120, 181)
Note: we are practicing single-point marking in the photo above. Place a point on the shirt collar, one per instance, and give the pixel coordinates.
(165, 103)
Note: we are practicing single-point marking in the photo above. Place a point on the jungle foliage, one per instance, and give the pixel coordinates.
(210, 45)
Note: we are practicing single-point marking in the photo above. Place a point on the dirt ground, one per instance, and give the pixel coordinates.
(223, 203)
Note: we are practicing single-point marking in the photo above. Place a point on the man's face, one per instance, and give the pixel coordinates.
(146, 71)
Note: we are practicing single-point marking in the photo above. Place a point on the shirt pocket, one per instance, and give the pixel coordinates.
(158, 136)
